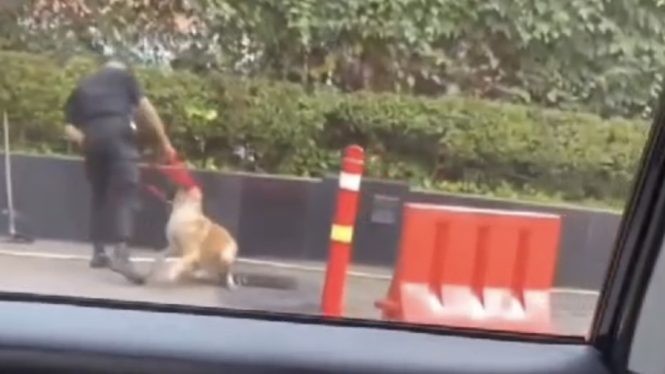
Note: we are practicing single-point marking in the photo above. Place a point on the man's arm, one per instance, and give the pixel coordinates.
(149, 113)
(72, 133)
(152, 119)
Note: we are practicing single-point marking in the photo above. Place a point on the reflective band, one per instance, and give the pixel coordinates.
(342, 234)
(349, 182)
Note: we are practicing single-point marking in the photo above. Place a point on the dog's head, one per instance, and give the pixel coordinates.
(188, 197)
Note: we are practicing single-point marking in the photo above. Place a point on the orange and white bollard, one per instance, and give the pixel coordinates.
(341, 233)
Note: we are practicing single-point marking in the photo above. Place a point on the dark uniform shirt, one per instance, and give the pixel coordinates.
(102, 107)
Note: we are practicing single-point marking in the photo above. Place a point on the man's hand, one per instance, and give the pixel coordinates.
(74, 135)
(168, 152)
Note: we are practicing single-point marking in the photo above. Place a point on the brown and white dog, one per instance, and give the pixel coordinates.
(199, 243)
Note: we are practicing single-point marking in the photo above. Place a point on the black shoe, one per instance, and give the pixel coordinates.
(99, 260)
(121, 264)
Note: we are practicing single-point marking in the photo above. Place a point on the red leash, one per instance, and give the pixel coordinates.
(177, 172)
(157, 192)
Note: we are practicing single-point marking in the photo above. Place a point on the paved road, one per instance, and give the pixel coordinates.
(74, 278)
(60, 269)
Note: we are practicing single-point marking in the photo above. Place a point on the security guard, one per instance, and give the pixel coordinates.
(99, 113)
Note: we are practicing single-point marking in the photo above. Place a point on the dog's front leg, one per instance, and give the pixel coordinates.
(230, 283)
(227, 278)
(185, 265)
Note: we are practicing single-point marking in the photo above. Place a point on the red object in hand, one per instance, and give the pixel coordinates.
(178, 173)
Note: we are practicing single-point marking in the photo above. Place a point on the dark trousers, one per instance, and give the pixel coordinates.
(114, 182)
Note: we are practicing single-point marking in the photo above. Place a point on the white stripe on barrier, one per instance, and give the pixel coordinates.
(274, 264)
(466, 209)
(350, 182)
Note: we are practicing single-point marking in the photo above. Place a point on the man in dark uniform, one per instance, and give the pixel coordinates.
(99, 114)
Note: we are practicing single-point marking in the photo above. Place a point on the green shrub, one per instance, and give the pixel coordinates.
(451, 143)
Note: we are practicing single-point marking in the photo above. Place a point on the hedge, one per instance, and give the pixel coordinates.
(450, 143)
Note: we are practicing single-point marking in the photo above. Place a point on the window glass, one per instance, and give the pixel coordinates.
(459, 163)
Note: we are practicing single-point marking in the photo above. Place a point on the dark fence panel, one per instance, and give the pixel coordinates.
(288, 218)
(603, 230)
(379, 221)
(273, 216)
(51, 194)
(223, 198)
(572, 243)
(320, 213)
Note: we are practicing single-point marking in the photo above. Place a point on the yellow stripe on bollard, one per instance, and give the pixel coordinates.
(342, 234)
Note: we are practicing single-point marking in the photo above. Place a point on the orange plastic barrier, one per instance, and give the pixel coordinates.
(474, 268)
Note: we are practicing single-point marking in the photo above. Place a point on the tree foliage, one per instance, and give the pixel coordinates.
(604, 55)
(132, 29)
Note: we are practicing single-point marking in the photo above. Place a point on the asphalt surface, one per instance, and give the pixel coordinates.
(61, 269)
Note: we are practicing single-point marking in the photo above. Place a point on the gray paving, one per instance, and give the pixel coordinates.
(53, 268)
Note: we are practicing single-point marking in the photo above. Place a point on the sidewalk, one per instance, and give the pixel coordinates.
(77, 251)
(61, 268)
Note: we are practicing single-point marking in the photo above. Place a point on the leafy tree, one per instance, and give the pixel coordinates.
(601, 55)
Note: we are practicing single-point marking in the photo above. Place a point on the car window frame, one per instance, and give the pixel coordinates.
(638, 243)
